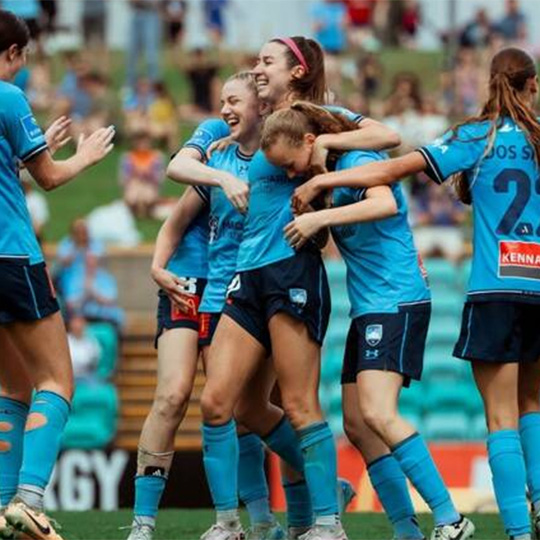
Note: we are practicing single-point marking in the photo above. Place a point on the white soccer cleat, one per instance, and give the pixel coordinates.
(141, 531)
(320, 532)
(28, 521)
(460, 530)
(224, 531)
(294, 533)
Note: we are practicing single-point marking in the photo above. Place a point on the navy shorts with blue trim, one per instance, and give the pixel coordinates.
(170, 316)
(388, 342)
(499, 331)
(297, 286)
(207, 328)
(26, 291)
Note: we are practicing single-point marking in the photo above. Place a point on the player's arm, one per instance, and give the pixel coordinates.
(374, 204)
(376, 173)
(51, 174)
(169, 237)
(187, 167)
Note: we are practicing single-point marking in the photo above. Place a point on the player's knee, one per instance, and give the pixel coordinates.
(215, 407)
(378, 420)
(352, 431)
(171, 404)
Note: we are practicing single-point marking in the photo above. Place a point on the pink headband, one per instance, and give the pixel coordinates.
(295, 50)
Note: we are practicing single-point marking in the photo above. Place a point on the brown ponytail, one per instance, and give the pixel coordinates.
(302, 117)
(511, 68)
(312, 85)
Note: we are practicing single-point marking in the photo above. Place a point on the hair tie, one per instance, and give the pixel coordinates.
(295, 50)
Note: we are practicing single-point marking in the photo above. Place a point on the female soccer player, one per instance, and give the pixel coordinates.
(391, 307)
(495, 156)
(278, 301)
(30, 320)
(180, 269)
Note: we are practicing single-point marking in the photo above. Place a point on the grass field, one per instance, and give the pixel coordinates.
(190, 524)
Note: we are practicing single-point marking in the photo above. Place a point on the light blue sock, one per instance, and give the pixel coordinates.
(283, 441)
(416, 462)
(252, 485)
(390, 484)
(42, 443)
(220, 456)
(320, 468)
(299, 511)
(13, 416)
(148, 492)
(509, 478)
(529, 431)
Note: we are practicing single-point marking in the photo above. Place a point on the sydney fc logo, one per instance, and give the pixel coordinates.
(374, 333)
(298, 297)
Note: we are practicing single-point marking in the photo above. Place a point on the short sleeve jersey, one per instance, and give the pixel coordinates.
(21, 139)
(383, 268)
(505, 187)
(226, 230)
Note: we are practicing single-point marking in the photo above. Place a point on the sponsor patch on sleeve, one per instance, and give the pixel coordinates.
(31, 127)
(519, 260)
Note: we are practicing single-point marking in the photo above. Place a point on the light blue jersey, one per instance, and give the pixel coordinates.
(505, 189)
(206, 133)
(21, 139)
(226, 229)
(190, 258)
(270, 210)
(383, 270)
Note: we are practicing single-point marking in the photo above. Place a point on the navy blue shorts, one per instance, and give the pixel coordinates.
(169, 314)
(388, 342)
(499, 331)
(207, 328)
(26, 291)
(297, 286)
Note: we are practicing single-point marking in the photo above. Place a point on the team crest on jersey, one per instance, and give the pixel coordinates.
(298, 297)
(374, 333)
(31, 127)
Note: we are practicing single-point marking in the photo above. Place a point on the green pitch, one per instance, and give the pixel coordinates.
(190, 524)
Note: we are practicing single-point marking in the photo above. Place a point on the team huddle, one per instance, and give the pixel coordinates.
(242, 284)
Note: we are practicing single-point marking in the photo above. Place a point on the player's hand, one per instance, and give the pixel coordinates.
(301, 229)
(219, 146)
(174, 288)
(57, 134)
(96, 146)
(236, 191)
(303, 195)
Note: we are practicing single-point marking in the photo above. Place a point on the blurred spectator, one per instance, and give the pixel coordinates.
(49, 10)
(214, 19)
(433, 123)
(369, 74)
(202, 74)
(136, 106)
(36, 204)
(513, 25)
(405, 93)
(30, 11)
(438, 217)
(330, 24)
(74, 251)
(410, 22)
(145, 39)
(478, 32)
(163, 118)
(402, 19)
(468, 81)
(360, 15)
(94, 293)
(84, 349)
(142, 171)
(94, 23)
(39, 89)
(175, 13)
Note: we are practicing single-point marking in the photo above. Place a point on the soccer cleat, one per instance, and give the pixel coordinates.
(460, 530)
(266, 531)
(224, 531)
(345, 494)
(26, 520)
(294, 533)
(320, 532)
(140, 531)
